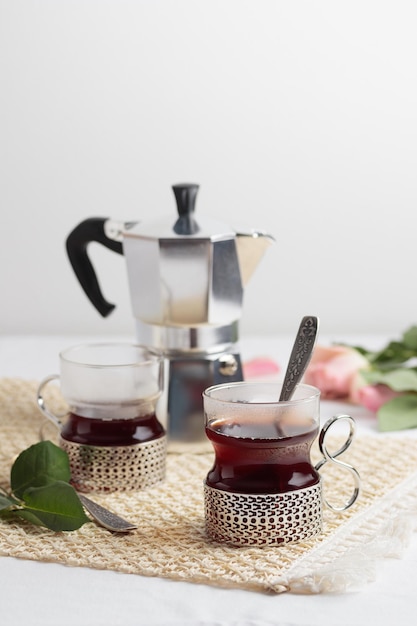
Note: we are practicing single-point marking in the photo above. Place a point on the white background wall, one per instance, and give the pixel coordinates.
(298, 117)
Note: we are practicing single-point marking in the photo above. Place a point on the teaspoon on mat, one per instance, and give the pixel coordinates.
(300, 355)
(104, 517)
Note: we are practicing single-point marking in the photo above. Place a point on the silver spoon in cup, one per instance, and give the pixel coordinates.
(302, 350)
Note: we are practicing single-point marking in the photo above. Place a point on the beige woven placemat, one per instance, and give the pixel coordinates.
(170, 541)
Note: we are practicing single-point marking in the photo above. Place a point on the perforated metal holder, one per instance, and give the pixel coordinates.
(104, 469)
(263, 519)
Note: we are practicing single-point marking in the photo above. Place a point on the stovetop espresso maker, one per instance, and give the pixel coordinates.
(186, 277)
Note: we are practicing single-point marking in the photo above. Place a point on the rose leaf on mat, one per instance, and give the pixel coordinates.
(39, 465)
(40, 490)
(55, 506)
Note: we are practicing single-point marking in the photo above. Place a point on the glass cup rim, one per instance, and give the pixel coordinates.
(210, 391)
(154, 357)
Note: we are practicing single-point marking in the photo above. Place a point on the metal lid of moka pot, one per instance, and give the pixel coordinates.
(186, 226)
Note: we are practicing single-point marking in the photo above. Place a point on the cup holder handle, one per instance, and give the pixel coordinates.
(329, 457)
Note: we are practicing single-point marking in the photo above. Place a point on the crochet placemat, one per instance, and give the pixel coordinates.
(170, 541)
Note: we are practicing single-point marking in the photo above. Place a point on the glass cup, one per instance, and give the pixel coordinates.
(111, 433)
(263, 488)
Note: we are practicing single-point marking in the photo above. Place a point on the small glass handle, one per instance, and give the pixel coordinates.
(332, 458)
(55, 419)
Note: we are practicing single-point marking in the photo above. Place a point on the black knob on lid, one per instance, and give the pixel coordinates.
(185, 195)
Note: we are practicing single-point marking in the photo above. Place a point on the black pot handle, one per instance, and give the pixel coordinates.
(89, 230)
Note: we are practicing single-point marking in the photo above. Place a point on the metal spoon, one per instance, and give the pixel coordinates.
(300, 355)
(104, 517)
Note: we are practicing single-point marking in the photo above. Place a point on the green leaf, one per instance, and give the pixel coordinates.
(6, 502)
(401, 379)
(394, 354)
(55, 506)
(41, 464)
(410, 338)
(399, 413)
(29, 517)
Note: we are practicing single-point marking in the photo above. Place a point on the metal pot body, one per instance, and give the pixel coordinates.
(183, 283)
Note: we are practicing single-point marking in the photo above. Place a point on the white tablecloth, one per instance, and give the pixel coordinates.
(45, 593)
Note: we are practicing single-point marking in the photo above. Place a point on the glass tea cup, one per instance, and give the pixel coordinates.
(111, 433)
(263, 488)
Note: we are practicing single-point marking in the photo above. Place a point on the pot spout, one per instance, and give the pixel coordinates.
(251, 247)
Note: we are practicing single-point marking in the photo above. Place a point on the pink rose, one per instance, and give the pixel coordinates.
(373, 397)
(334, 370)
(261, 367)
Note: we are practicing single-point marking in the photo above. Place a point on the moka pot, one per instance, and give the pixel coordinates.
(186, 279)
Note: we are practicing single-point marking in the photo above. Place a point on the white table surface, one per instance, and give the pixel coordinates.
(44, 593)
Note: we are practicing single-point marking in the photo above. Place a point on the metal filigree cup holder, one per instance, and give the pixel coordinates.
(104, 469)
(243, 518)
